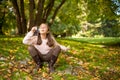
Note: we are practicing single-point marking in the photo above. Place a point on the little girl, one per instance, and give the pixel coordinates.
(43, 47)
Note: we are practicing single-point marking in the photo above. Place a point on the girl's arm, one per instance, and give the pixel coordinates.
(63, 48)
(29, 39)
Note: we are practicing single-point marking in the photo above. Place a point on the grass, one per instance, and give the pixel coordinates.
(104, 41)
(88, 59)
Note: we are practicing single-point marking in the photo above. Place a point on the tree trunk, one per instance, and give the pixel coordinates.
(31, 14)
(38, 19)
(1, 24)
(2, 21)
(18, 17)
(36, 16)
(23, 19)
(1, 32)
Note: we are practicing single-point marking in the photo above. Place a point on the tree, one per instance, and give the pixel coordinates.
(84, 15)
(20, 16)
(38, 12)
(100, 16)
(2, 14)
(67, 20)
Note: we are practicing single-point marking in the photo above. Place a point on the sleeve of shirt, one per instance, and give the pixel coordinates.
(63, 48)
(28, 39)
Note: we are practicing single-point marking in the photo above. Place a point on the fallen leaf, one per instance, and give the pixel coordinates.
(28, 78)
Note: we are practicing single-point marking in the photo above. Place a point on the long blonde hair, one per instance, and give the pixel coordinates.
(50, 42)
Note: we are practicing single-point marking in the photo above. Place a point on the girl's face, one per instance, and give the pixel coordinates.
(43, 29)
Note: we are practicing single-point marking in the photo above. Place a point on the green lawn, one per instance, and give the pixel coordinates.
(88, 59)
(104, 41)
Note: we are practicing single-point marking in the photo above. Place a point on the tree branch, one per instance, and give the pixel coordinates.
(39, 13)
(56, 11)
(48, 9)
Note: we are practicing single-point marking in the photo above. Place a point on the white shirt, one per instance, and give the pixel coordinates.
(43, 47)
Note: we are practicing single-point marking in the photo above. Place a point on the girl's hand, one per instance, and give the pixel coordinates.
(34, 29)
(64, 49)
(67, 48)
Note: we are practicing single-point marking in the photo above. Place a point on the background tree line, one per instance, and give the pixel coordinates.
(89, 18)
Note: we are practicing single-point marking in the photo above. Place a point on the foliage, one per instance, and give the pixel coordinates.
(7, 18)
(84, 61)
(87, 18)
(100, 16)
(116, 6)
(66, 22)
(109, 28)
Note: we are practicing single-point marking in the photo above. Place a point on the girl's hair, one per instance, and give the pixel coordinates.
(50, 42)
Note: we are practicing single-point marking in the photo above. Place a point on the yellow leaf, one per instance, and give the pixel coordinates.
(12, 57)
(11, 51)
(62, 79)
(44, 74)
(28, 78)
(30, 62)
(15, 69)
